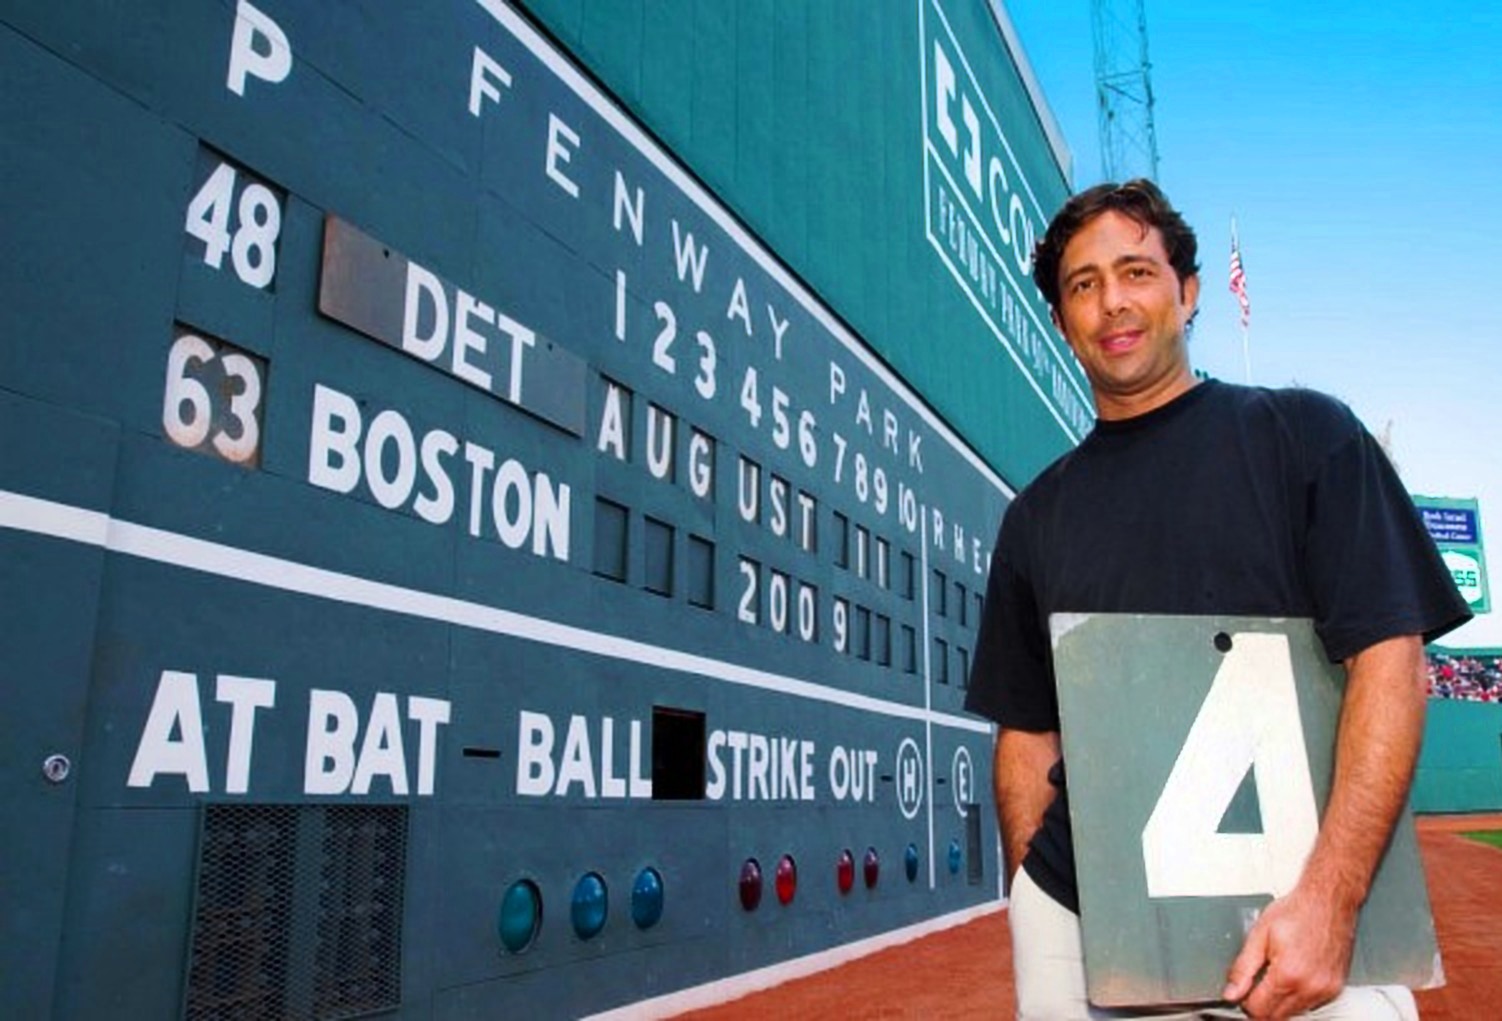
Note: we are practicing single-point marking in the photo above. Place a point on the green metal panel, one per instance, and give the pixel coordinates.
(1174, 730)
(1460, 767)
(816, 123)
(49, 602)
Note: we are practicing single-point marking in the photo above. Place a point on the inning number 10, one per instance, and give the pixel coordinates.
(1249, 720)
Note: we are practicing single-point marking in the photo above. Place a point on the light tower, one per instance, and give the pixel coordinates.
(1124, 90)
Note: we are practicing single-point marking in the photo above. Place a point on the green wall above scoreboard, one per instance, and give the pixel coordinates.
(892, 155)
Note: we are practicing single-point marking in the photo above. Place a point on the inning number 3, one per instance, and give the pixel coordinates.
(1249, 720)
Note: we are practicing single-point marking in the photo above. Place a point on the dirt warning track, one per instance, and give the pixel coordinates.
(965, 972)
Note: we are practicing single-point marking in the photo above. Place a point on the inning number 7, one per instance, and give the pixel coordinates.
(1249, 720)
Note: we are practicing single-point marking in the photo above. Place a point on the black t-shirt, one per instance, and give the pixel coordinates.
(1228, 500)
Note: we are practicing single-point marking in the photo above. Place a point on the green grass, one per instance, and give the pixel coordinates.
(1493, 837)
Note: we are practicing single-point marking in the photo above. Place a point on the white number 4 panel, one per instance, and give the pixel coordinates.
(1249, 720)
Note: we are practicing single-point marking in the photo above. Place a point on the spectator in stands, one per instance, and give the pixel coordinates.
(1476, 678)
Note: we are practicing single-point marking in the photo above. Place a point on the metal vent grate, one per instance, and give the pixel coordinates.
(242, 918)
(298, 912)
(359, 961)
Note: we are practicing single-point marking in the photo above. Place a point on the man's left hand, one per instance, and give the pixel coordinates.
(1296, 956)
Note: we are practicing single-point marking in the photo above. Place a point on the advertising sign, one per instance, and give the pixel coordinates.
(1455, 527)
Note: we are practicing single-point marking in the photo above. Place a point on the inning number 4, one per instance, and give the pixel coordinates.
(1249, 720)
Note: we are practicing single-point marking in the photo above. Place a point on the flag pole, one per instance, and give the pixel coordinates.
(1238, 288)
(1246, 351)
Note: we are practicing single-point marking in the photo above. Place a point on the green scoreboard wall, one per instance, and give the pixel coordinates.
(406, 461)
(891, 155)
(1460, 768)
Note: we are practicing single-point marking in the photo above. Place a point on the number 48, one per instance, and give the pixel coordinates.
(252, 244)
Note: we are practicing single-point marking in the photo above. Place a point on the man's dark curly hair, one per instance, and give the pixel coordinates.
(1139, 200)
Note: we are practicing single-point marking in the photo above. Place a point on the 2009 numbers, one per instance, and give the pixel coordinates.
(783, 610)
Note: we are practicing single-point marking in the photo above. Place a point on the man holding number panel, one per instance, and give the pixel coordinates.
(1202, 498)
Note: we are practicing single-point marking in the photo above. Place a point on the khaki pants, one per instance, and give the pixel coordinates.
(1049, 964)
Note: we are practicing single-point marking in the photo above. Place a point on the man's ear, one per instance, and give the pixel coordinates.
(1189, 293)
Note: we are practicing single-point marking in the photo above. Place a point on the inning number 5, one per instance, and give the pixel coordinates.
(1249, 720)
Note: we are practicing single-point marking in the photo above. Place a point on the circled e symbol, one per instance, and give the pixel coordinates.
(962, 771)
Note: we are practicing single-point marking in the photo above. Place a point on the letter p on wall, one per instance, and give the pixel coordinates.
(258, 49)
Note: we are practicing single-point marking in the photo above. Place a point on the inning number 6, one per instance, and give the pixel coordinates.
(1249, 720)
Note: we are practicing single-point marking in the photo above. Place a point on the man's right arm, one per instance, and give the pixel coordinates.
(1020, 772)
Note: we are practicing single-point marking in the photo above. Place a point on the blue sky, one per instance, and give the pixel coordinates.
(1359, 147)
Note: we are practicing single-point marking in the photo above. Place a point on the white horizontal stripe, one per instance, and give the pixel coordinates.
(59, 520)
(63, 521)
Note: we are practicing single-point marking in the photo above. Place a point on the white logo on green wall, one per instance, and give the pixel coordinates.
(1466, 570)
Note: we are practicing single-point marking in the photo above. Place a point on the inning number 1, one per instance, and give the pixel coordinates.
(1249, 720)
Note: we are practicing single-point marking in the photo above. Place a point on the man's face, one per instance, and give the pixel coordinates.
(1123, 310)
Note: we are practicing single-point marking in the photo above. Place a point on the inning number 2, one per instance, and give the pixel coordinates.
(1249, 720)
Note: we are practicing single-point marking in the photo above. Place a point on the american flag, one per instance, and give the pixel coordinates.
(1238, 280)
